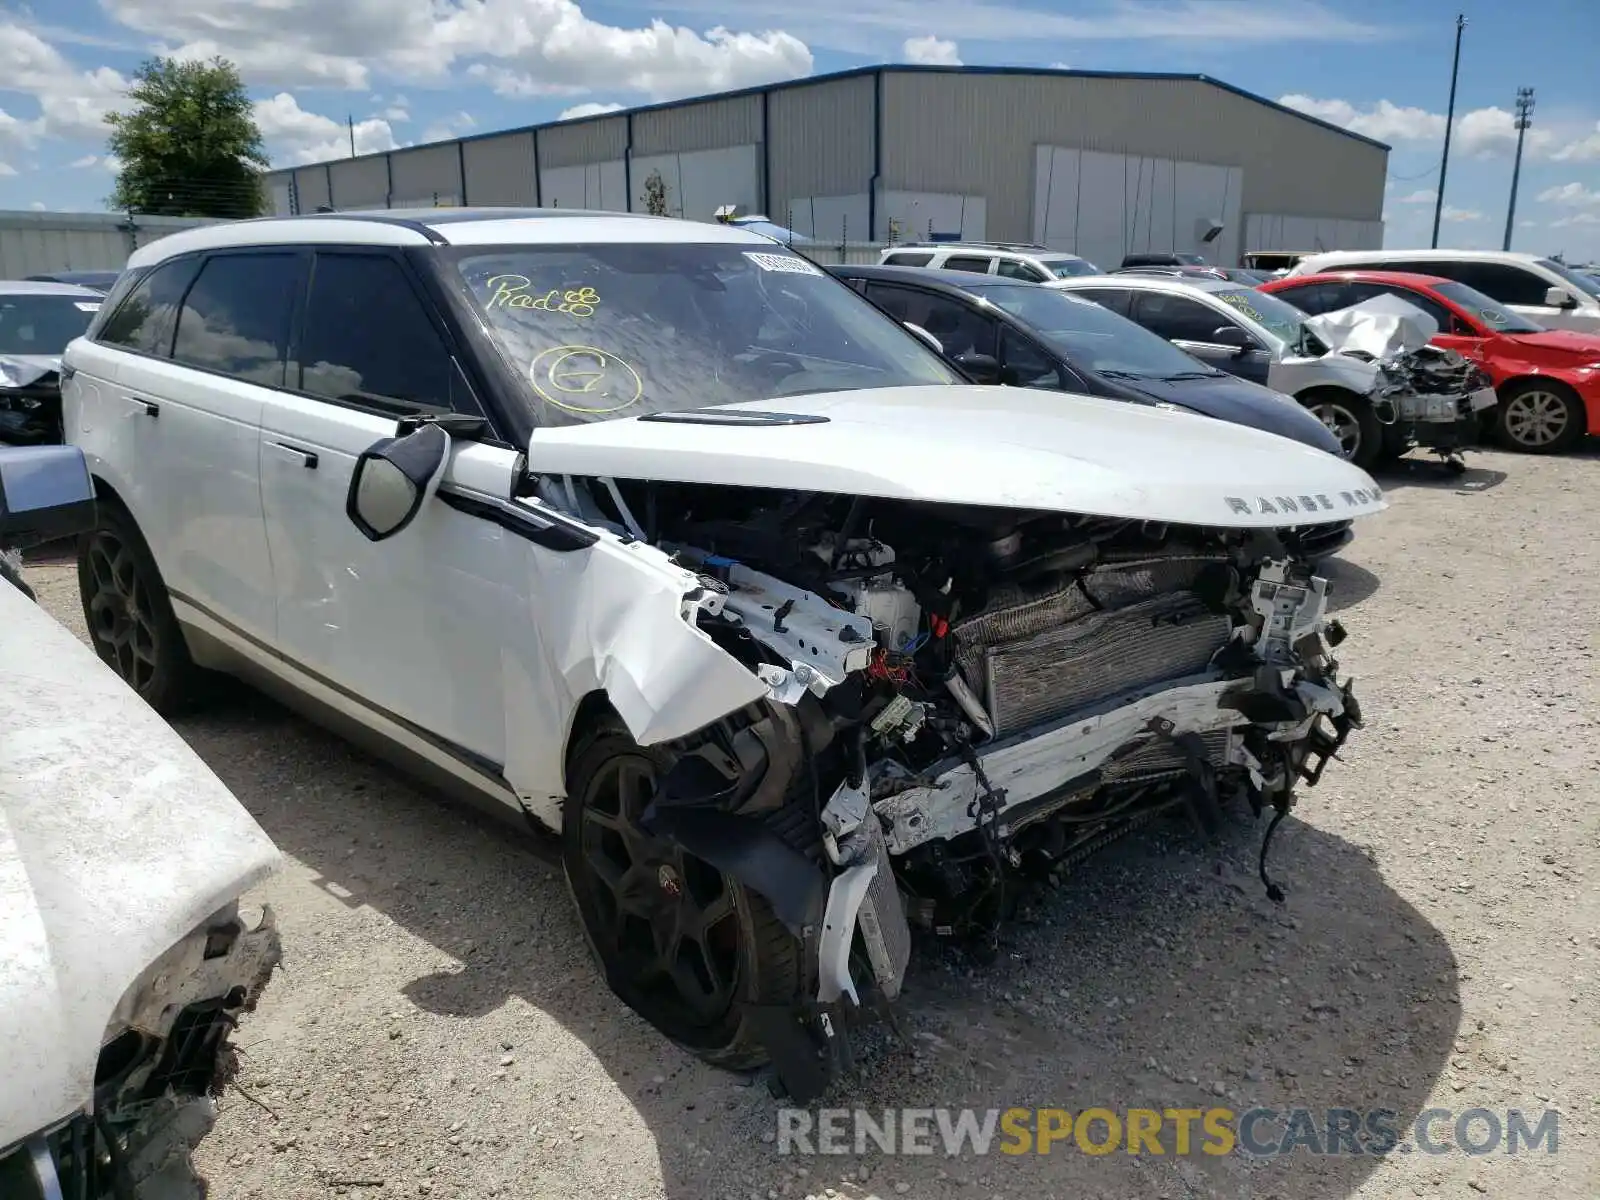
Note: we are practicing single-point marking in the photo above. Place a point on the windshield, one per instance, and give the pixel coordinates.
(1588, 285)
(606, 331)
(42, 324)
(1066, 268)
(1091, 336)
(1282, 320)
(1491, 312)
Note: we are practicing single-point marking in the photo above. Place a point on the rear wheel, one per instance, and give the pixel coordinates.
(130, 618)
(1539, 416)
(1349, 418)
(684, 945)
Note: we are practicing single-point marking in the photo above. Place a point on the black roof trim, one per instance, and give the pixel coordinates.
(866, 72)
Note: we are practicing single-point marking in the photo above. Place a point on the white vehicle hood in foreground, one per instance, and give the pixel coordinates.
(116, 841)
(1383, 327)
(990, 446)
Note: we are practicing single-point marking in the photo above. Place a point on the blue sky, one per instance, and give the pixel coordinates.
(410, 71)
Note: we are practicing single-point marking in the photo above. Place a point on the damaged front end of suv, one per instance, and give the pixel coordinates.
(125, 958)
(958, 699)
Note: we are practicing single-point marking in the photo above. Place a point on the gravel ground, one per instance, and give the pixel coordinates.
(438, 1029)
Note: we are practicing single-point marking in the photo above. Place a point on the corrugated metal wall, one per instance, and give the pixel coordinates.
(709, 125)
(954, 132)
(311, 185)
(41, 243)
(821, 142)
(426, 175)
(500, 170)
(577, 143)
(360, 182)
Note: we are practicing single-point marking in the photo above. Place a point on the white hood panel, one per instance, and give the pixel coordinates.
(988, 446)
(116, 841)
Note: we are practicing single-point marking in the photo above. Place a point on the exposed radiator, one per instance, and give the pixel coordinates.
(1037, 656)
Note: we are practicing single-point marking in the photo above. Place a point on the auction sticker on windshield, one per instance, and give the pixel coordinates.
(791, 263)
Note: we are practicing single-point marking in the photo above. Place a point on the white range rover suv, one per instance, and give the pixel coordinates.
(653, 533)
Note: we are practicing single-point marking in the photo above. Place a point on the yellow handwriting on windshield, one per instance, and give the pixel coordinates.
(1242, 303)
(512, 291)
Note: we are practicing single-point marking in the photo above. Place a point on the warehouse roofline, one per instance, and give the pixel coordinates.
(860, 73)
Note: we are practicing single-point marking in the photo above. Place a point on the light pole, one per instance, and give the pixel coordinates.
(1524, 119)
(1449, 120)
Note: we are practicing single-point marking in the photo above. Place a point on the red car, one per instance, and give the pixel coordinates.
(1548, 380)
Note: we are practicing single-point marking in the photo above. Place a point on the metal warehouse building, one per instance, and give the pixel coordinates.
(1098, 163)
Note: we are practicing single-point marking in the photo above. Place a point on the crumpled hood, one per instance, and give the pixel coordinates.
(20, 370)
(116, 841)
(1001, 447)
(1384, 326)
(1229, 398)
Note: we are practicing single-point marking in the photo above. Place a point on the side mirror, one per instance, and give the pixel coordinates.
(1559, 298)
(933, 342)
(393, 478)
(45, 494)
(985, 368)
(1231, 335)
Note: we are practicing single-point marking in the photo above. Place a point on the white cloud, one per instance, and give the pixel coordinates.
(931, 51)
(298, 136)
(1452, 213)
(88, 160)
(1482, 133)
(37, 206)
(1584, 149)
(1581, 218)
(1420, 196)
(543, 46)
(1527, 224)
(590, 109)
(1570, 194)
(1384, 121)
(449, 127)
(1060, 66)
(72, 103)
(395, 114)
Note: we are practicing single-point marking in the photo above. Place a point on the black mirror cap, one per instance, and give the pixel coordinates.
(1231, 335)
(985, 368)
(46, 494)
(419, 456)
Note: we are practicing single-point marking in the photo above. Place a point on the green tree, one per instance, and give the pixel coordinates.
(190, 146)
(655, 195)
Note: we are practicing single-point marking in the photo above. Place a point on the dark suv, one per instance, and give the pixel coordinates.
(1164, 260)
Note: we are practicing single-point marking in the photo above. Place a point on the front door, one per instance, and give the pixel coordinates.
(414, 636)
(1193, 326)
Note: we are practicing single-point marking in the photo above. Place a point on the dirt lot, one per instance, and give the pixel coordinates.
(438, 1029)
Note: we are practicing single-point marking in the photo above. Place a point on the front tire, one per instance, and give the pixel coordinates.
(1349, 418)
(1539, 416)
(129, 614)
(687, 947)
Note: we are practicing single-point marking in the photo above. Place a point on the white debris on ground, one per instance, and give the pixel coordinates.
(437, 1029)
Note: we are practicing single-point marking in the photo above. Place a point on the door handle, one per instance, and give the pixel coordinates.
(308, 460)
(150, 407)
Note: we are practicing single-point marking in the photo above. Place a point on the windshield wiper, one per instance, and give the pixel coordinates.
(1192, 375)
(1110, 374)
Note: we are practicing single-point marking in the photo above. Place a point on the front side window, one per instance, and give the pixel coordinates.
(1583, 284)
(235, 319)
(1094, 338)
(1178, 318)
(369, 339)
(1442, 316)
(624, 330)
(144, 321)
(1025, 363)
(1317, 298)
(38, 323)
(1502, 281)
(1281, 320)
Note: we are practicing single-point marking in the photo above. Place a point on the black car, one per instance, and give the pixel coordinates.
(1011, 331)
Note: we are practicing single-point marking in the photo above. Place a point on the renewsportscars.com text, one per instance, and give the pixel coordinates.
(1256, 1132)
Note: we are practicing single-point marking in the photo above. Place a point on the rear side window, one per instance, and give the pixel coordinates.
(1012, 269)
(368, 337)
(1501, 281)
(144, 321)
(235, 319)
(958, 262)
(1318, 298)
(1442, 316)
(907, 258)
(1118, 300)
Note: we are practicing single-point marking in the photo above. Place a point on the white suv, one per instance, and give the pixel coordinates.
(1038, 264)
(1548, 292)
(654, 533)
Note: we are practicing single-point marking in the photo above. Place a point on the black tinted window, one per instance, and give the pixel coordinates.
(235, 318)
(1025, 363)
(959, 328)
(1498, 281)
(907, 259)
(1175, 317)
(958, 263)
(1013, 269)
(368, 336)
(1118, 300)
(145, 320)
(1317, 298)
